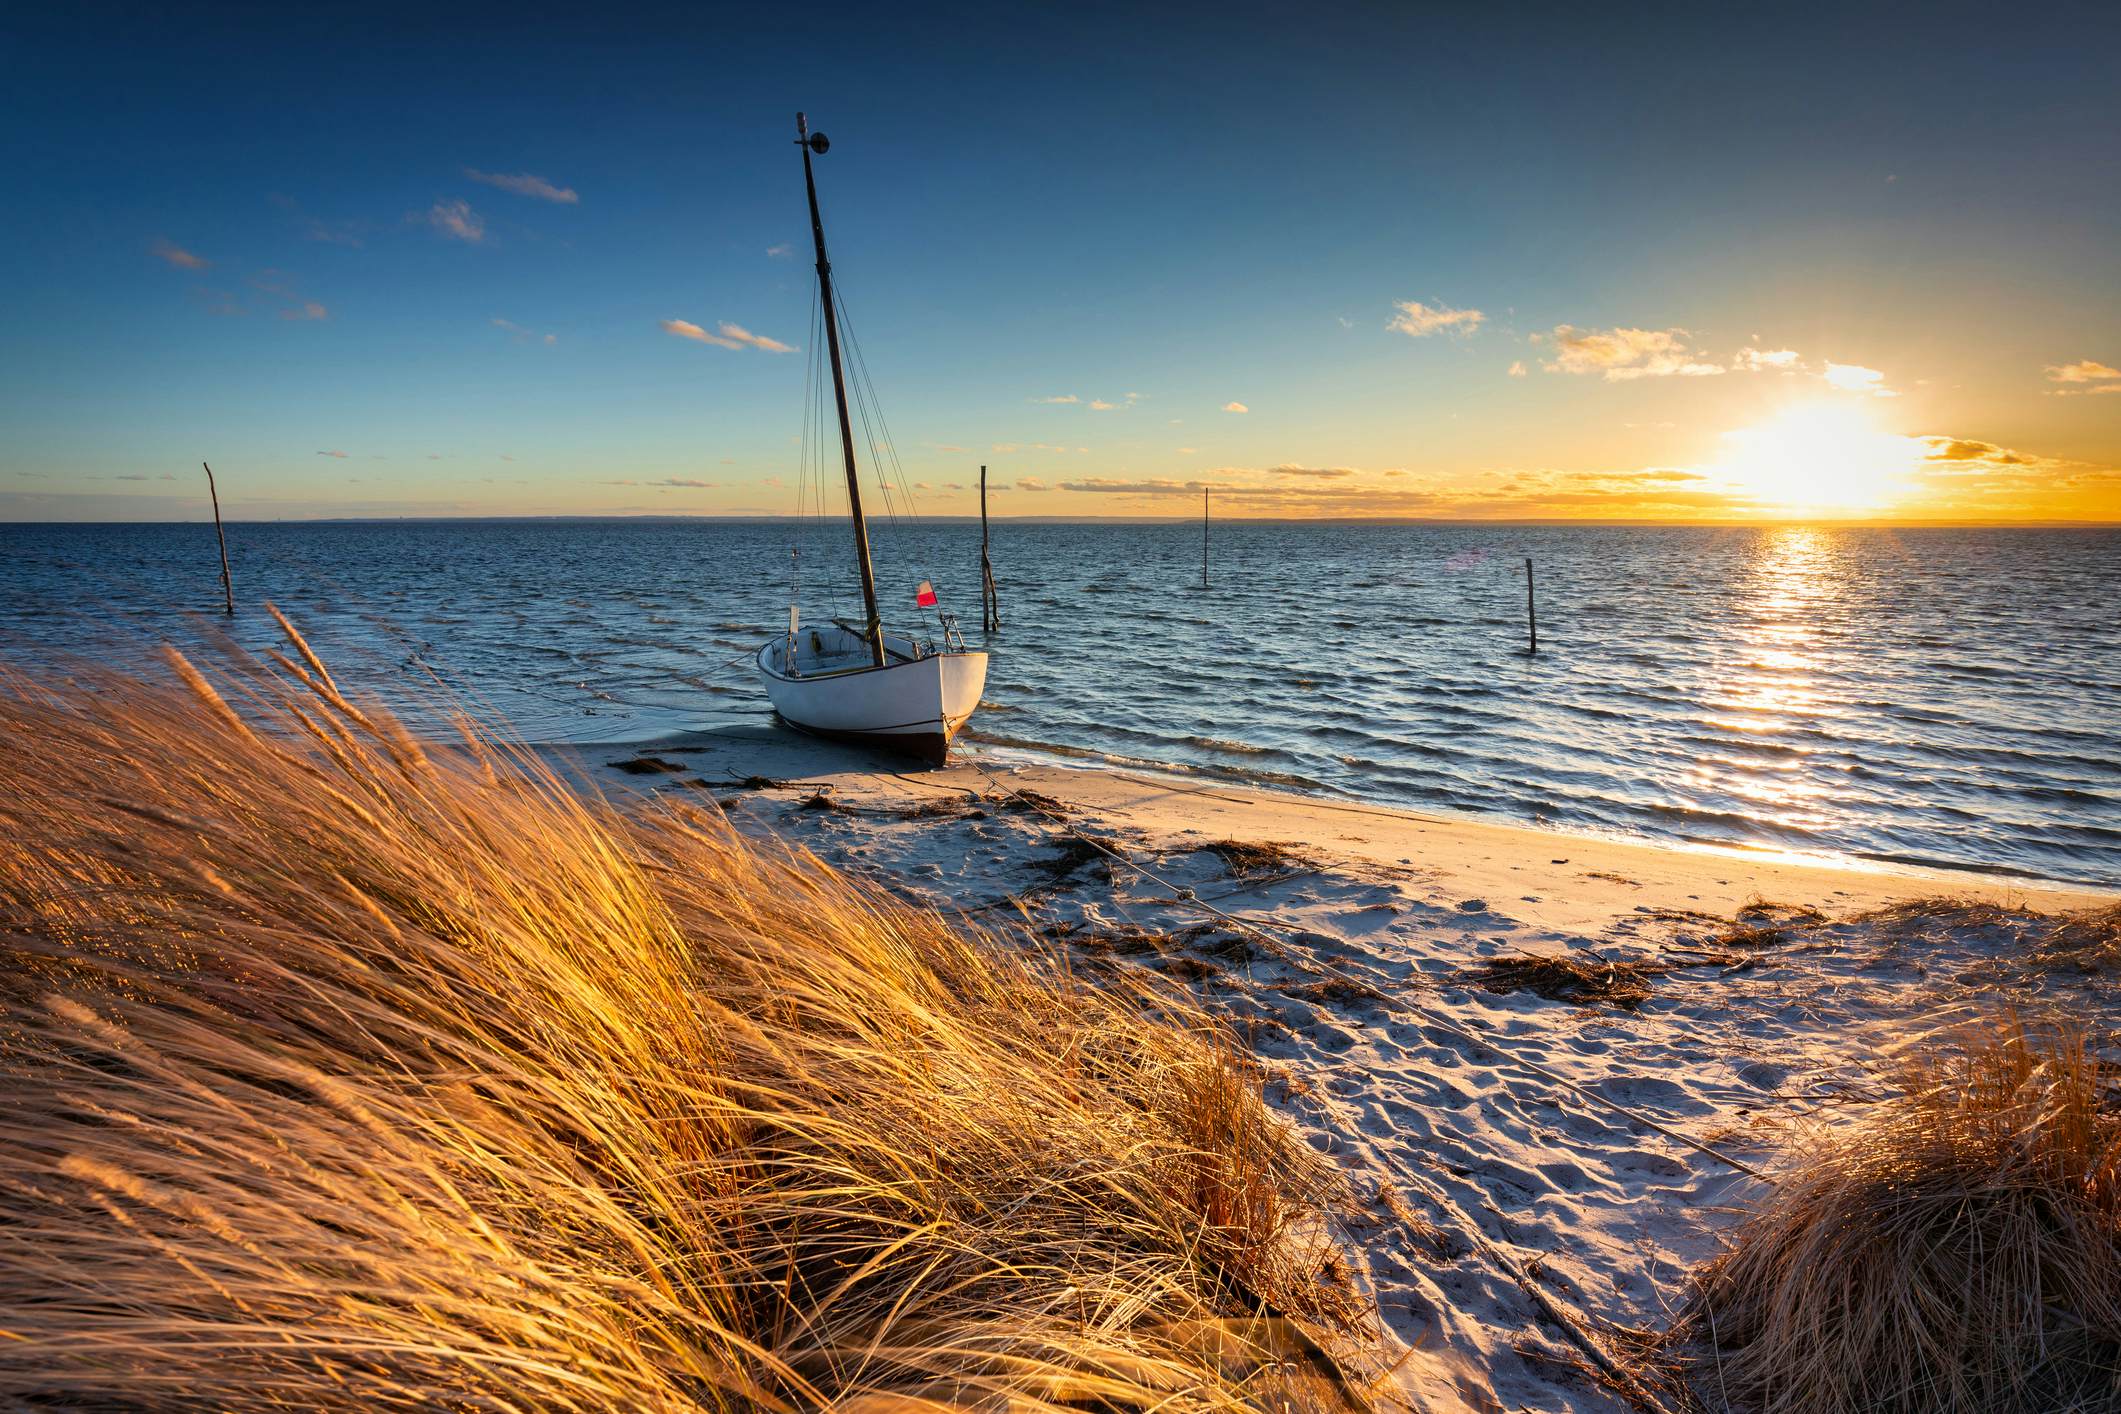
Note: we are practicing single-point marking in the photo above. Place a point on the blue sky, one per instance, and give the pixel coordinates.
(261, 237)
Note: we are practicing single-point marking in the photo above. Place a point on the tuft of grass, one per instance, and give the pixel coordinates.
(347, 1071)
(1959, 1250)
(1567, 977)
(1244, 859)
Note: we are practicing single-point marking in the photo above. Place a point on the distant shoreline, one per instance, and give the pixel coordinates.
(1546, 524)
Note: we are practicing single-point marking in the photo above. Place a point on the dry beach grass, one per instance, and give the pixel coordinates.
(1961, 1250)
(346, 1071)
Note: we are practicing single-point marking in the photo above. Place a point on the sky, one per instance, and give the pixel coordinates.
(1693, 263)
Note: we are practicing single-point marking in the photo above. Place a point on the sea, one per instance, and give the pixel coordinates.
(1927, 696)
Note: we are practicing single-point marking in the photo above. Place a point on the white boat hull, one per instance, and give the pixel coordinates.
(914, 703)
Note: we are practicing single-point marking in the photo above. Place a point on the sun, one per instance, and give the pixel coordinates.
(1826, 456)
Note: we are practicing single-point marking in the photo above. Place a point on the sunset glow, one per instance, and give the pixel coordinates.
(1824, 457)
(1462, 298)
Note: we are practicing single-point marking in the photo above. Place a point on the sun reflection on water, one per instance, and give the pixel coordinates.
(1768, 695)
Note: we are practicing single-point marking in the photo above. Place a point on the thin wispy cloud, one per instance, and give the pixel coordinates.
(1059, 398)
(456, 219)
(783, 251)
(324, 232)
(1235, 407)
(1155, 486)
(1099, 405)
(293, 305)
(1323, 473)
(340, 455)
(1029, 483)
(525, 184)
(1517, 369)
(732, 336)
(1619, 355)
(758, 341)
(525, 336)
(1417, 320)
(2083, 371)
(171, 253)
(684, 481)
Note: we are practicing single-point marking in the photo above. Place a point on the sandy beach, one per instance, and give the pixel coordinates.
(1735, 999)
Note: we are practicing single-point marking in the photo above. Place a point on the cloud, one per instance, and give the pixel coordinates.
(732, 336)
(281, 286)
(1029, 483)
(167, 250)
(1761, 360)
(340, 455)
(1187, 451)
(1517, 369)
(1099, 405)
(1324, 473)
(783, 251)
(1855, 378)
(525, 336)
(2083, 371)
(344, 233)
(686, 329)
(524, 184)
(1235, 407)
(758, 341)
(1063, 398)
(949, 447)
(1418, 321)
(1966, 449)
(684, 481)
(456, 219)
(1622, 354)
(1154, 487)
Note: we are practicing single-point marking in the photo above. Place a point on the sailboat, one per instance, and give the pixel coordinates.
(856, 681)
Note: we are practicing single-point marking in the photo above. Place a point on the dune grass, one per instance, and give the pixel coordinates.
(1960, 1250)
(344, 1071)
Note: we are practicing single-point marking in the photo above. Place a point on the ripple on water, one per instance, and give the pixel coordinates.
(1926, 696)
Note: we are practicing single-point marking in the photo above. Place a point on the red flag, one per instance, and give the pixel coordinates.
(925, 595)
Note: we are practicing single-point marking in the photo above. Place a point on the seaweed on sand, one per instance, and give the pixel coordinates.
(1245, 859)
(1567, 977)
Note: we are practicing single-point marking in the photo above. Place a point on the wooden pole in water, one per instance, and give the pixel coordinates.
(990, 602)
(1531, 607)
(228, 591)
(1204, 537)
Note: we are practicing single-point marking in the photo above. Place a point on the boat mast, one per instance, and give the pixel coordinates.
(874, 629)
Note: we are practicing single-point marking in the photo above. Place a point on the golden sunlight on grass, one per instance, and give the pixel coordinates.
(1824, 456)
(347, 1072)
(1960, 1250)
